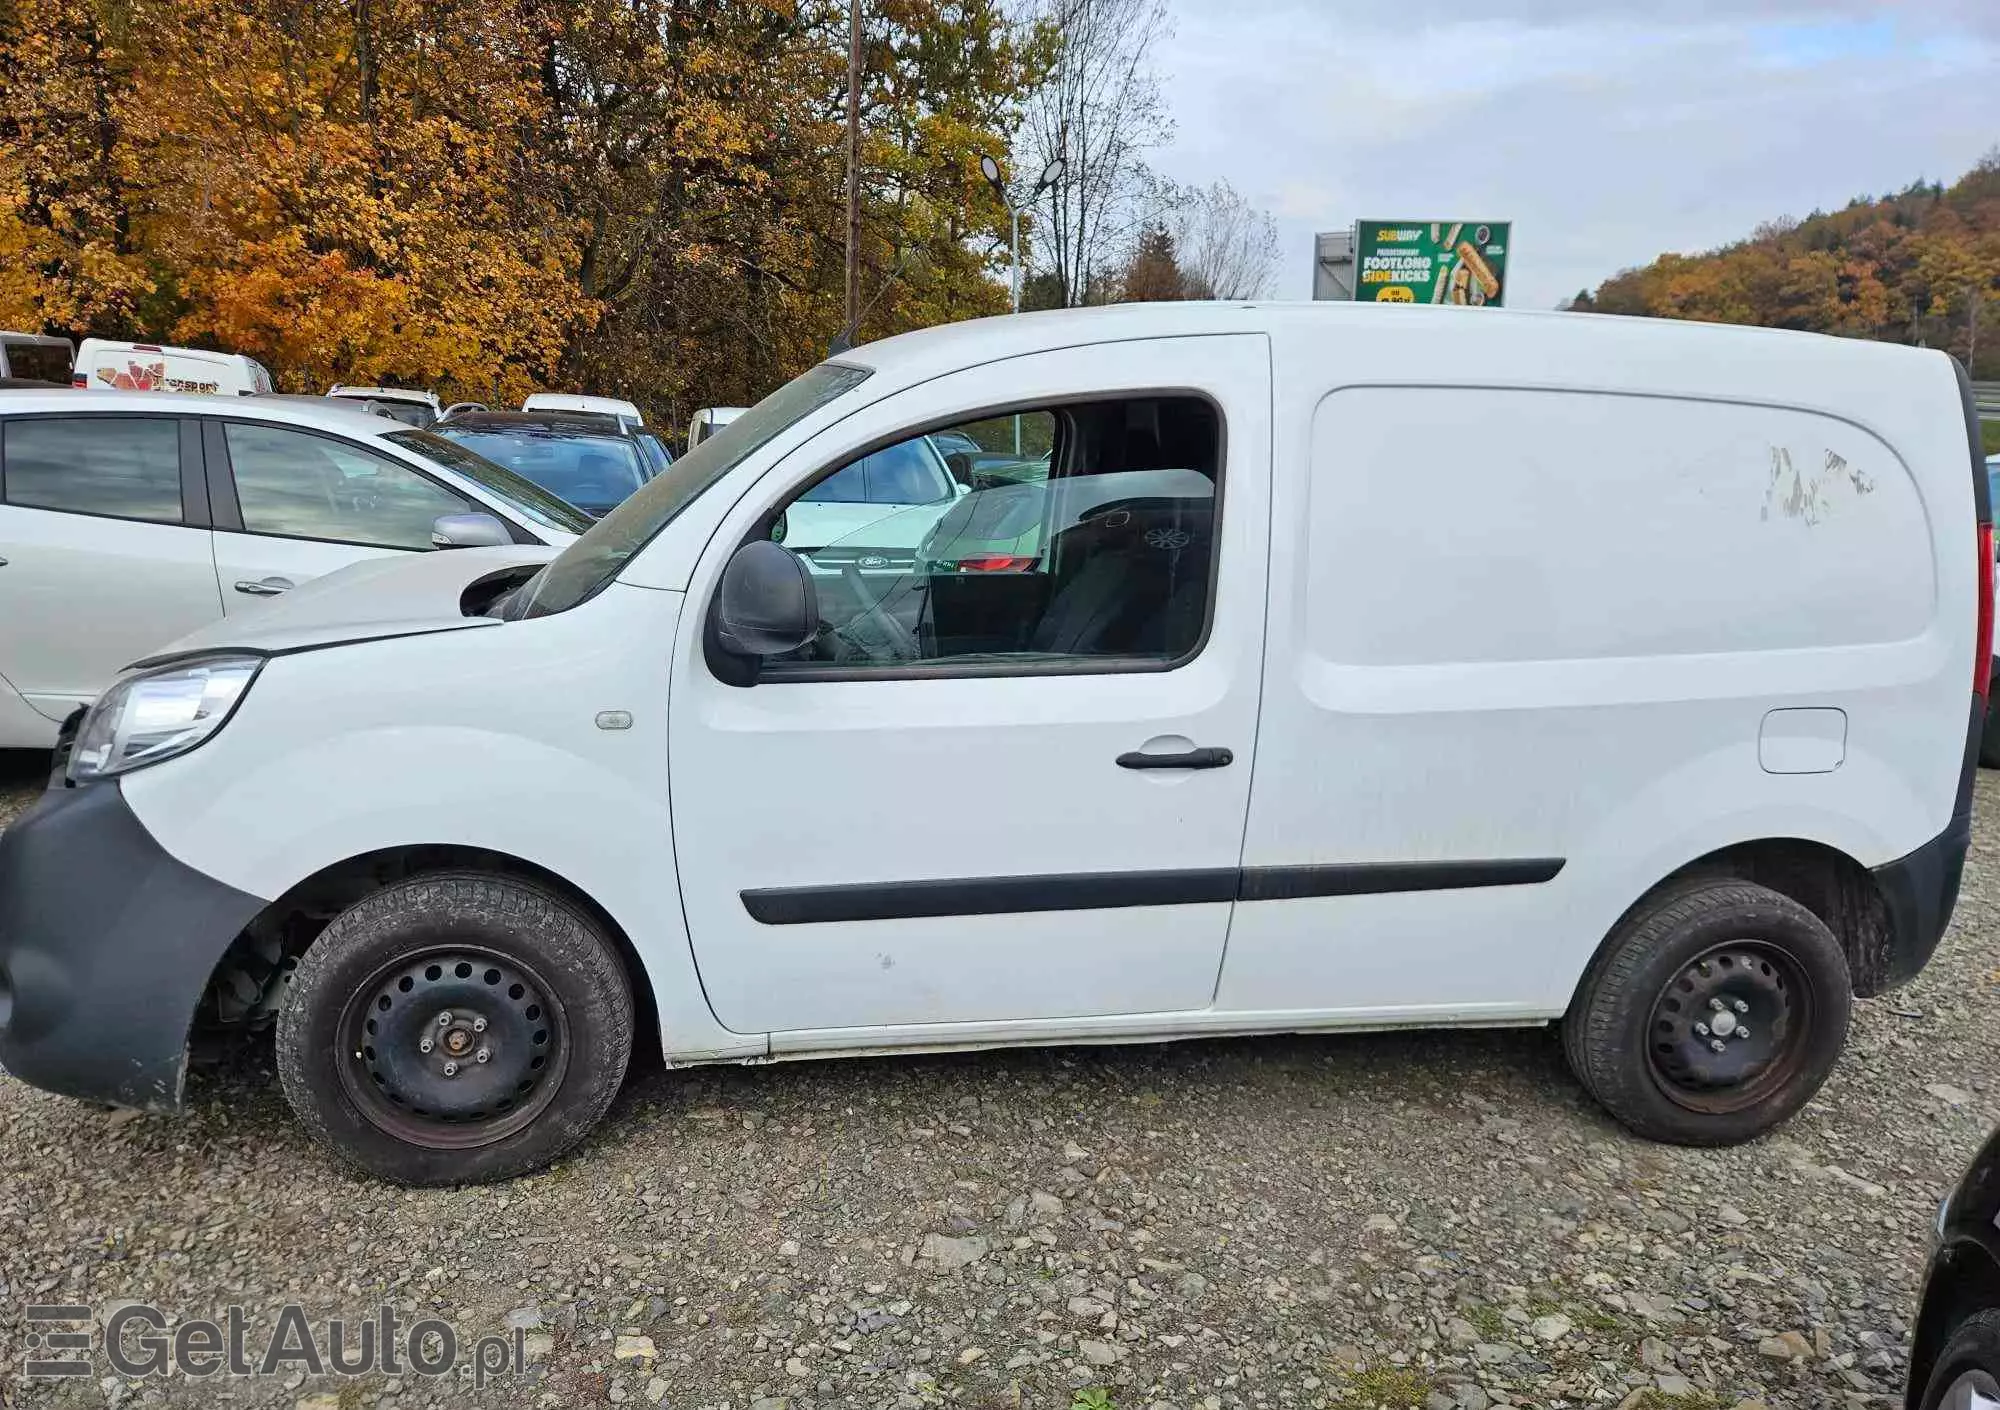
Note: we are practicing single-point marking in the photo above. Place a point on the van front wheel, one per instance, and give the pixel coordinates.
(1712, 1014)
(455, 1027)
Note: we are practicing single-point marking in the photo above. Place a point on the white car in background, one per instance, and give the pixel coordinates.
(408, 405)
(126, 522)
(708, 421)
(617, 407)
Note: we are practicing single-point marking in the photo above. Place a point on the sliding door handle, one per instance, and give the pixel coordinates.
(1192, 759)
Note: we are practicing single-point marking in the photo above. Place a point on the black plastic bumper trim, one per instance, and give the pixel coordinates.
(1086, 891)
(107, 943)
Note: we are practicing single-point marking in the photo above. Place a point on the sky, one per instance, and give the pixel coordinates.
(1607, 132)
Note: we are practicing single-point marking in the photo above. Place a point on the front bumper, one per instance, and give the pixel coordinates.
(106, 944)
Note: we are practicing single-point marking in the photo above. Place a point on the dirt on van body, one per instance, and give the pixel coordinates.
(1427, 1220)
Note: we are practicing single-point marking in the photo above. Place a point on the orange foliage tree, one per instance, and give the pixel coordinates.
(1922, 266)
(638, 197)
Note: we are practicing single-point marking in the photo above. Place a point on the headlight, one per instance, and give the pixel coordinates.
(157, 714)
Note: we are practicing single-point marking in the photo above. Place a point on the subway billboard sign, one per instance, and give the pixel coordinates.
(1431, 261)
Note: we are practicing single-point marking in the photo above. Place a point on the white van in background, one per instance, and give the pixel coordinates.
(1272, 709)
(104, 365)
(624, 411)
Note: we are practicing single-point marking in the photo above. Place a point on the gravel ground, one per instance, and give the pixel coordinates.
(1431, 1220)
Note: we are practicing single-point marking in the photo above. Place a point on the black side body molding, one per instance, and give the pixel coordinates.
(1088, 891)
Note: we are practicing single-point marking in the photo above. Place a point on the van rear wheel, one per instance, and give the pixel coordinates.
(454, 1028)
(1712, 1014)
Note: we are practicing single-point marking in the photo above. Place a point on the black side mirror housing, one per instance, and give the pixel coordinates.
(767, 604)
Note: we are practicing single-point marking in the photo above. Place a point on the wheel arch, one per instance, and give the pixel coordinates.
(1964, 1279)
(272, 942)
(1835, 887)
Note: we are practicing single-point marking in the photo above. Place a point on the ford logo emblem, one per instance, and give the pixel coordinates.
(872, 560)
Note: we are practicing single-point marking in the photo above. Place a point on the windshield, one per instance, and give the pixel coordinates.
(593, 472)
(531, 499)
(582, 569)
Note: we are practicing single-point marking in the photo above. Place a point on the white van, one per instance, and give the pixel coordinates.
(1425, 668)
(103, 365)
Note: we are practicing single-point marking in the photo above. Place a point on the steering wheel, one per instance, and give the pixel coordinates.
(891, 638)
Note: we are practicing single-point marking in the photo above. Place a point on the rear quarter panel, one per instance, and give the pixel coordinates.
(1534, 591)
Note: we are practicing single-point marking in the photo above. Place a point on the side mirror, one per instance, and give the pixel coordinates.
(469, 531)
(959, 462)
(767, 604)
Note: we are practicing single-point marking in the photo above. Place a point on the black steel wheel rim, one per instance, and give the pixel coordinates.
(1730, 1027)
(1975, 1390)
(453, 1046)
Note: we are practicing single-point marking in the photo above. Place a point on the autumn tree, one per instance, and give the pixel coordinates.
(1920, 266)
(1153, 274)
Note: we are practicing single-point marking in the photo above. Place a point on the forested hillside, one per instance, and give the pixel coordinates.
(1921, 266)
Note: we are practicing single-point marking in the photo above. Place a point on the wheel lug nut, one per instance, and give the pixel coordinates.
(1715, 1004)
(1715, 1045)
(482, 1056)
(444, 1019)
(1701, 1030)
(478, 1025)
(424, 1045)
(451, 1068)
(1743, 1033)
(1741, 1007)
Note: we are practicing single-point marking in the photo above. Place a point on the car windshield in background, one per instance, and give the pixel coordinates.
(594, 472)
(581, 570)
(524, 494)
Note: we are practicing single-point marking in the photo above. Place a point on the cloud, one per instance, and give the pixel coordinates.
(1608, 133)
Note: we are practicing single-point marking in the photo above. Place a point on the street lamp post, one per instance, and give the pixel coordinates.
(1051, 174)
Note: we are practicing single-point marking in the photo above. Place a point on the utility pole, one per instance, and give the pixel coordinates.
(854, 170)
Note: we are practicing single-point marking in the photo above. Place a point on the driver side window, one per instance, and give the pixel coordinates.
(1047, 537)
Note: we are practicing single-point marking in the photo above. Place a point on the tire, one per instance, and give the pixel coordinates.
(1970, 1362)
(537, 1012)
(1989, 738)
(1637, 1033)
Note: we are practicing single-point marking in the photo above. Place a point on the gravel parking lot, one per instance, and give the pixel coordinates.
(1429, 1220)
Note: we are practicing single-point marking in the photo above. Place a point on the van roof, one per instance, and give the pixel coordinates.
(1010, 335)
(96, 345)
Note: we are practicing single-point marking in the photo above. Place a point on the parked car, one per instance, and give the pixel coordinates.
(405, 404)
(1651, 719)
(708, 421)
(590, 460)
(105, 365)
(124, 525)
(1955, 1350)
(615, 407)
(32, 358)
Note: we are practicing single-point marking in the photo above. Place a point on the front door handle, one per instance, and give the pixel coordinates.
(264, 587)
(1192, 759)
